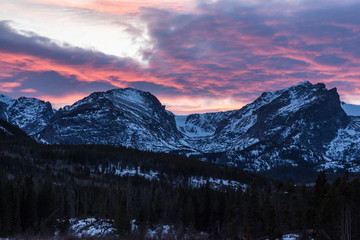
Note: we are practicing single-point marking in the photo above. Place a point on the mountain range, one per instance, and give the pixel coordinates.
(304, 126)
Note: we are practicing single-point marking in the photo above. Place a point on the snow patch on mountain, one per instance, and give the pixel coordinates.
(7, 100)
(190, 129)
(346, 146)
(351, 109)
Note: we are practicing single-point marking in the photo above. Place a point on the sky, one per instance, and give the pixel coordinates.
(194, 55)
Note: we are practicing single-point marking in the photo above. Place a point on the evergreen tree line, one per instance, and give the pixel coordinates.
(32, 206)
(43, 186)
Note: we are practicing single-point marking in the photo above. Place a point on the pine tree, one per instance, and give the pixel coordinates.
(5, 214)
(46, 208)
(189, 213)
(321, 190)
(122, 220)
(28, 206)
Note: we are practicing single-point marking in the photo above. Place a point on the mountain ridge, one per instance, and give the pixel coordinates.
(304, 124)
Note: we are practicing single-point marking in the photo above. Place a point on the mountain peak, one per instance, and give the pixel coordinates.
(5, 99)
(304, 105)
(303, 83)
(131, 94)
(29, 114)
(284, 127)
(121, 116)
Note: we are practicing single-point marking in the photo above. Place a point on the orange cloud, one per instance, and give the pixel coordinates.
(8, 86)
(122, 7)
(28, 90)
(58, 102)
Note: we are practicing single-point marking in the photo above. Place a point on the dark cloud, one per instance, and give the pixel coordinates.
(282, 63)
(52, 83)
(29, 43)
(155, 88)
(309, 75)
(330, 60)
(321, 30)
(223, 48)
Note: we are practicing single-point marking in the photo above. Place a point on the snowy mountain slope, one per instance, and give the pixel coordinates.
(305, 114)
(30, 114)
(345, 148)
(125, 117)
(351, 109)
(264, 156)
(302, 125)
(297, 126)
(200, 125)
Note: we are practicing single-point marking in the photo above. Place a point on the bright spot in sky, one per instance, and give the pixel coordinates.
(119, 35)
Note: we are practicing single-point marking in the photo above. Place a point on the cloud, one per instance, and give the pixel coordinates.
(282, 63)
(222, 49)
(8, 86)
(55, 84)
(238, 44)
(156, 89)
(12, 41)
(330, 59)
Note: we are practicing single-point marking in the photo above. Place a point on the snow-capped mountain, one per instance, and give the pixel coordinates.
(30, 114)
(303, 125)
(125, 117)
(284, 127)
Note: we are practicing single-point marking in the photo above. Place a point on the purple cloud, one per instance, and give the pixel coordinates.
(330, 59)
(221, 49)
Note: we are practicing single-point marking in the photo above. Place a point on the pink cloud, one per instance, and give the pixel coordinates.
(8, 86)
(28, 90)
(225, 52)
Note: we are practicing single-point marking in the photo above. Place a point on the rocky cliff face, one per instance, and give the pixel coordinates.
(30, 114)
(305, 114)
(285, 127)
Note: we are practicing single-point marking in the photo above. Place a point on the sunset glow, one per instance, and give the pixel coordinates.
(195, 56)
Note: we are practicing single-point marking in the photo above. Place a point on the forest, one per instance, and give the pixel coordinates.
(42, 187)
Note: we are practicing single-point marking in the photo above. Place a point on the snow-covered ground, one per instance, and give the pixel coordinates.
(103, 229)
(216, 183)
(151, 175)
(290, 236)
(90, 227)
(161, 232)
(194, 181)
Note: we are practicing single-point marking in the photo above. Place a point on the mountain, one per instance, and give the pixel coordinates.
(351, 109)
(11, 133)
(30, 114)
(300, 127)
(126, 117)
(293, 126)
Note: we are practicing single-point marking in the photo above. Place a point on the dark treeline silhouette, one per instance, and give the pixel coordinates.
(43, 186)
